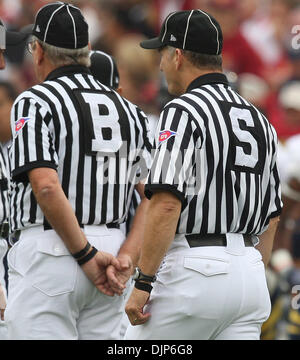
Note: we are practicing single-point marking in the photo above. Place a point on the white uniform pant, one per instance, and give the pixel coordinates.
(210, 292)
(125, 321)
(49, 295)
(3, 250)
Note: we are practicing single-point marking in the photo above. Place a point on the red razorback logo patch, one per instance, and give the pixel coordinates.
(20, 123)
(165, 135)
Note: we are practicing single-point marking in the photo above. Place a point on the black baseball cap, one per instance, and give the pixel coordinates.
(61, 25)
(10, 37)
(104, 68)
(193, 30)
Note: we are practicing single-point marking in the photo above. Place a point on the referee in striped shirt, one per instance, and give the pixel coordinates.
(215, 193)
(7, 38)
(78, 152)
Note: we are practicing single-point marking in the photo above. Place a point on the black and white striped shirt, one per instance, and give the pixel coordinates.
(217, 153)
(95, 139)
(4, 207)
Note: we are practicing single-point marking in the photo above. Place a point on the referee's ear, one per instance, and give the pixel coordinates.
(90, 46)
(39, 54)
(178, 58)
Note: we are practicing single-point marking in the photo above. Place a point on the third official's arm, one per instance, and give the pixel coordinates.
(162, 218)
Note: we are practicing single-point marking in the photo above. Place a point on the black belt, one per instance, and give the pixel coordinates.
(15, 236)
(4, 230)
(110, 226)
(113, 226)
(197, 240)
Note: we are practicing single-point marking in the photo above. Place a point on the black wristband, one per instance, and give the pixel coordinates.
(143, 286)
(87, 257)
(82, 252)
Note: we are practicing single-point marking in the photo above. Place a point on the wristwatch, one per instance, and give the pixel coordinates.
(139, 276)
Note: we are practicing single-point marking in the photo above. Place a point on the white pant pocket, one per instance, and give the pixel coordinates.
(206, 265)
(54, 269)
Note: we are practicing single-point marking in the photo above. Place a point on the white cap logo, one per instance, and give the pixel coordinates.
(37, 29)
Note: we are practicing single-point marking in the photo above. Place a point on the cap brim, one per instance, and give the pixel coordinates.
(154, 43)
(15, 38)
(27, 29)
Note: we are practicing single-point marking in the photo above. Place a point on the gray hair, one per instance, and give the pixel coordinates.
(62, 57)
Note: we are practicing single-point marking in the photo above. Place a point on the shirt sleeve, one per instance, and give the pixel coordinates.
(147, 147)
(142, 154)
(275, 202)
(32, 141)
(176, 143)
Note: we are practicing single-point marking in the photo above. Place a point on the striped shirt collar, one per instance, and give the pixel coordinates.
(67, 70)
(211, 78)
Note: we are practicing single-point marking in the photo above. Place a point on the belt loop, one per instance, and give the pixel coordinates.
(235, 244)
(4, 230)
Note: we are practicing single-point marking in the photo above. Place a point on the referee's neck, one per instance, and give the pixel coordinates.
(43, 71)
(194, 73)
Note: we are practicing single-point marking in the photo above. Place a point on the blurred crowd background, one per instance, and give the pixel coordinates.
(261, 57)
